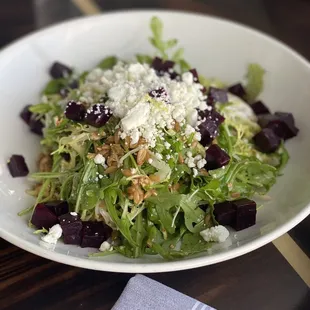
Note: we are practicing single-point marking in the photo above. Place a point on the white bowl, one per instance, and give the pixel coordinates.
(217, 48)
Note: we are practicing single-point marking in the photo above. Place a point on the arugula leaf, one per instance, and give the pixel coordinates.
(108, 63)
(255, 81)
(139, 234)
(144, 59)
(54, 86)
(194, 243)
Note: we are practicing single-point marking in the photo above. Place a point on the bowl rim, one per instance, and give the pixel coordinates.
(162, 266)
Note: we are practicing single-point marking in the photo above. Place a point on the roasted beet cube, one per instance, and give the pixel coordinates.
(216, 157)
(238, 90)
(160, 94)
(75, 111)
(195, 75)
(267, 141)
(59, 70)
(282, 124)
(71, 225)
(224, 213)
(245, 213)
(162, 66)
(25, 114)
(259, 108)
(94, 233)
(36, 126)
(43, 217)
(17, 166)
(65, 156)
(218, 95)
(97, 115)
(210, 122)
(58, 207)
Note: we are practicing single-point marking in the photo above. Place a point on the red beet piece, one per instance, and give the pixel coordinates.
(195, 75)
(94, 233)
(259, 108)
(162, 66)
(36, 126)
(245, 213)
(25, 114)
(43, 217)
(238, 90)
(224, 213)
(97, 115)
(75, 111)
(218, 95)
(267, 141)
(17, 166)
(210, 122)
(159, 93)
(283, 124)
(58, 207)
(216, 157)
(59, 70)
(71, 225)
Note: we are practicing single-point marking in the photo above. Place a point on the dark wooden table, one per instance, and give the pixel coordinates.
(259, 280)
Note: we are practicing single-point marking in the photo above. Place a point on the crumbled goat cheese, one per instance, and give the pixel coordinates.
(128, 87)
(73, 213)
(105, 246)
(195, 172)
(99, 160)
(53, 235)
(201, 163)
(215, 234)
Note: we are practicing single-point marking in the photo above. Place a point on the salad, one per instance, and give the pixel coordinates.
(150, 157)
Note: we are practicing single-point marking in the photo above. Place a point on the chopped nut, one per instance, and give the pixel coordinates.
(91, 155)
(177, 126)
(141, 156)
(110, 170)
(154, 178)
(235, 195)
(181, 159)
(127, 172)
(45, 163)
(203, 172)
(109, 140)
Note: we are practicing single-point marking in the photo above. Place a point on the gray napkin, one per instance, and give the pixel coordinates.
(142, 293)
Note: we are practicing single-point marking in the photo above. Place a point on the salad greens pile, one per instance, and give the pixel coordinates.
(157, 206)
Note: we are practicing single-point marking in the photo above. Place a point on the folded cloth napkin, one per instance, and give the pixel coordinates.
(142, 293)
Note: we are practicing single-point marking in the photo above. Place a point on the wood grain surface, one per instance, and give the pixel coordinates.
(259, 280)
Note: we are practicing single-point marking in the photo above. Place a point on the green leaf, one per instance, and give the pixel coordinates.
(108, 63)
(41, 108)
(54, 86)
(157, 27)
(166, 219)
(255, 81)
(139, 234)
(170, 43)
(178, 55)
(144, 59)
(194, 243)
(185, 66)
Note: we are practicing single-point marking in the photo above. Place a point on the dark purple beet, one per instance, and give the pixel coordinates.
(218, 95)
(36, 126)
(195, 75)
(58, 207)
(259, 108)
(94, 233)
(282, 124)
(224, 213)
(75, 111)
(210, 122)
(162, 66)
(216, 157)
(238, 90)
(97, 115)
(43, 217)
(17, 166)
(25, 114)
(267, 141)
(65, 156)
(71, 225)
(159, 93)
(59, 70)
(245, 213)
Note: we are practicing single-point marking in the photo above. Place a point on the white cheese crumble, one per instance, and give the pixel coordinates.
(215, 234)
(105, 246)
(131, 89)
(53, 235)
(73, 213)
(99, 160)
